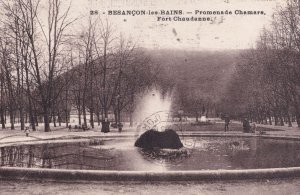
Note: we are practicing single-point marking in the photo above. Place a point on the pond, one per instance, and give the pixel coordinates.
(200, 153)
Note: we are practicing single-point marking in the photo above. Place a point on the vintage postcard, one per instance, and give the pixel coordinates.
(149, 96)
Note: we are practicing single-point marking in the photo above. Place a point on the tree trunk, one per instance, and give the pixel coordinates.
(2, 119)
(79, 116)
(130, 119)
(54, 120)
(66, 109)
(275, 118)
(59, 118)
(2, 109)
(22, 119)
(11, 118)
(116, 116)
(119, 120)
(298, 119)
(92, 118)
(281, 119)
(265, 119)
(35, 116)
(84, 115)
(46, 119)
(289, 120)
(31, 116)
(67, 117)
(102, 114)
(297, 113)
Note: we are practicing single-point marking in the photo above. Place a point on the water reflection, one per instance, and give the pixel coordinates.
(207, 153)
(62, 155)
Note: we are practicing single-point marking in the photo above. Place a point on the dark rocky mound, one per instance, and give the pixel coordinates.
(154, 139)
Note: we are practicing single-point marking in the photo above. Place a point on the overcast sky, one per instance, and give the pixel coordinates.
(235, 32)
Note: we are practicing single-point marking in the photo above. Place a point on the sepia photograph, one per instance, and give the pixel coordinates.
(149, 97)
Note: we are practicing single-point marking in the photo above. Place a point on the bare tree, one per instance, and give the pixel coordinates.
(44, 66)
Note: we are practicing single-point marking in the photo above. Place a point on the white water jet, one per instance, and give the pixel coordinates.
(151, 103)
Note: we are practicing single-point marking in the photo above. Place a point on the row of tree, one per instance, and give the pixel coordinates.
(266, 85)
(49, 67)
